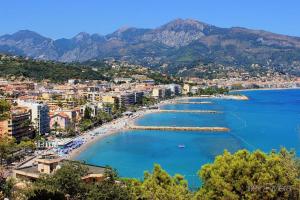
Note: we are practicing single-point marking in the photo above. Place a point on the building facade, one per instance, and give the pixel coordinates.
(40, 115)
(18, 125)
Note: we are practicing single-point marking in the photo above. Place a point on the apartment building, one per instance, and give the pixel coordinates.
(40, 115)
(18, 125)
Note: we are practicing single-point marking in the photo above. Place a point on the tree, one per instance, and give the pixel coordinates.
(7, 145)
(160, 185)
(55, 126)
(70, 130)
(4, 109)
(103, 117)
(27, 144)
(66, 180)
(110, 188)
(245, 175)
(87, 113)
(4, 106)
(6, 184)
(39, 194)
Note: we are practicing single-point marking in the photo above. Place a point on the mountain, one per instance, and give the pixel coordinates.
(181, 43)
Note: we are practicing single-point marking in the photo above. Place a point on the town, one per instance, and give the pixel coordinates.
(43, 123)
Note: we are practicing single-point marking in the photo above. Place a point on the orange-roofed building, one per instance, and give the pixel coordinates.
(60, 121)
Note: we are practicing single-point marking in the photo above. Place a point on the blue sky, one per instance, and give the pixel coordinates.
(66, 18)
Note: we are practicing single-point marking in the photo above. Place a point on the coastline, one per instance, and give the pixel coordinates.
(120, 125)
(114, 127)
(263, 89)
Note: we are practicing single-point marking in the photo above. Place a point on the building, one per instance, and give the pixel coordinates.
(157, 93)
(127, 99)
(94, 108)
(3, 127)
(18, 124)
(60, 121)
(194, 89)
(167, 93)
(161, 92)
(110, 99)
(138, 97)
(48, 164)
(175, 89)
(40, 115)
(122, 80)
(186, 88)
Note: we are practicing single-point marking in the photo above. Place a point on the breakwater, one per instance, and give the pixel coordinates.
(174, 128)
(188, 102)
(192, 111)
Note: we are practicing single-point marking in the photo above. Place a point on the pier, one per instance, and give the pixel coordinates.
(174, 128)
(187, 102)
(193, 111)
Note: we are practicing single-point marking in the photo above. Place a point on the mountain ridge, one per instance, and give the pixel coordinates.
(181, 42)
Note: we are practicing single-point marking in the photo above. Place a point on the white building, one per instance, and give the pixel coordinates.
(39, 115)
(175, 89)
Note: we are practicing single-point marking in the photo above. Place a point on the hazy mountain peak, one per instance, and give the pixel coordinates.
(82, 36)
(183, 25)
(24, 34)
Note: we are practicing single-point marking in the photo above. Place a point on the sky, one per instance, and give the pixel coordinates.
(66, 18)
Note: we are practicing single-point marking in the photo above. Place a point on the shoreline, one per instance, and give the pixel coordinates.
(122, 124)
(114, 127)
(119, 125)
(263, 89)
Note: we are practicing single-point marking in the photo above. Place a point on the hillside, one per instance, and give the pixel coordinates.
(14, 67)
(177, 44)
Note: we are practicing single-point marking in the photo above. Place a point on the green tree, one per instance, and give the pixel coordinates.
(160, 185)
(110, 188)
(66, 180)
(4, 109)
(27, 144)
(4, 106)
(87, 113)
(39, 194)
(245, 175)
(7, 145)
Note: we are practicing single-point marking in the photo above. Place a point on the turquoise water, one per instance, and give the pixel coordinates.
(269, 120)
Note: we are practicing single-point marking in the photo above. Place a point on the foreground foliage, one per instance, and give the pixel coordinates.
(246, 175)
(242, 175)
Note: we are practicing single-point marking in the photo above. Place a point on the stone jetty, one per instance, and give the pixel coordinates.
(193, 111)
(174, 128)
(188, 102)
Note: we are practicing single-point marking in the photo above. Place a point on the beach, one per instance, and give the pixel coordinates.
(124, 123)
(110, 128)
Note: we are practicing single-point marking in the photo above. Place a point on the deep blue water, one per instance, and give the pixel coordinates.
(269, 120)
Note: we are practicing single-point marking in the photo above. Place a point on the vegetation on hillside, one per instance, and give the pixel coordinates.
(39, 70)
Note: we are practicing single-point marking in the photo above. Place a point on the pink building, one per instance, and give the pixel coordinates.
(60, 121)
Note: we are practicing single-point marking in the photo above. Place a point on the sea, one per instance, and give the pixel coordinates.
(268, 121)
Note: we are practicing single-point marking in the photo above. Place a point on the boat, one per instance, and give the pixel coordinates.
(181, 146)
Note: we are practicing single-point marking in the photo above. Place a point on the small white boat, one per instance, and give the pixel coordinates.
(181, 146)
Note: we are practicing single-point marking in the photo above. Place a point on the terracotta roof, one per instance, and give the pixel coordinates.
(61, 114)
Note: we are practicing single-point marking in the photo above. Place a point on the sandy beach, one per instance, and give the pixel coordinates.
(116, 126)
(119, 125)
